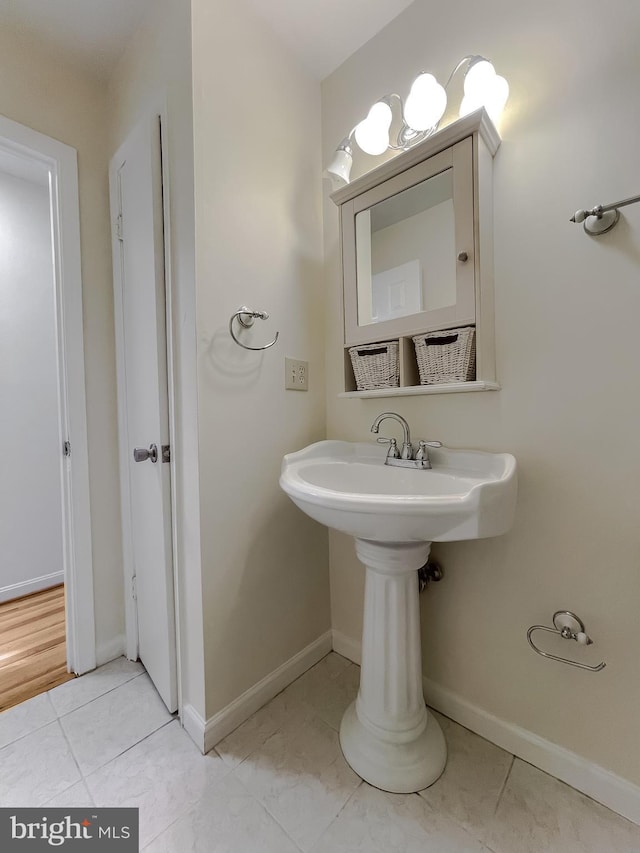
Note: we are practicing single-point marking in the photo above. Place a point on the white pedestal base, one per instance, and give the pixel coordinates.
(401, 768)
(387, 735)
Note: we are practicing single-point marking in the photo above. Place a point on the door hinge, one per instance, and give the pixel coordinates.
(66, 448)
(119, 233)
(134, 588)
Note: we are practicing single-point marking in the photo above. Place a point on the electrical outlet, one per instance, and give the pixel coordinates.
(296, 374)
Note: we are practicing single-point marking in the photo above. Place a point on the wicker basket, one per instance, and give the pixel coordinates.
(376, 365)
(446, 356)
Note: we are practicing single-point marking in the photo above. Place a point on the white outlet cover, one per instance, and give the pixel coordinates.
(296, 376)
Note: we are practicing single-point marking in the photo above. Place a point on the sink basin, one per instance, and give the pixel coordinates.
(387, 735)
(346, 485)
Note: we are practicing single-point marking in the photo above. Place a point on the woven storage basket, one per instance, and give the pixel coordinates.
(376, 365)
(447, 356)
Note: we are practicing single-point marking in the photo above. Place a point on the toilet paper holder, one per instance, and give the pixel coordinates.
(569, 627)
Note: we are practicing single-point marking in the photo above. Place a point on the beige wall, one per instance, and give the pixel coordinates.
(155, 73)
(567, 310)
(39, 90)
(258, 241)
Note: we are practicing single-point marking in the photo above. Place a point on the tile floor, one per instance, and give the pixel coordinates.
(279, 783)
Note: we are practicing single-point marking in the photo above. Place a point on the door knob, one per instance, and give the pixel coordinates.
(141, 454)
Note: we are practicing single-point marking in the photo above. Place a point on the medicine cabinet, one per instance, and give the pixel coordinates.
(417, 254)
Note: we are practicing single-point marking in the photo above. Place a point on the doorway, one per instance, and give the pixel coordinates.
(45, 526)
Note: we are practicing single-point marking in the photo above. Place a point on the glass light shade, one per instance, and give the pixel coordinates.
(497, 97)
(425, 104)
(372, 134)
(468, 105)
(479, 78)
(339, 170)
(483, 88)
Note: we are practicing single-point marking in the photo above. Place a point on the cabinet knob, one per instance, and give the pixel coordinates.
(463, 256)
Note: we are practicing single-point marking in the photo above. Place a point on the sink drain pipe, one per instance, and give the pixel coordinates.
(431, 571)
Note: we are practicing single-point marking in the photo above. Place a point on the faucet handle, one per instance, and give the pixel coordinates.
(422, 452)
(393, 452)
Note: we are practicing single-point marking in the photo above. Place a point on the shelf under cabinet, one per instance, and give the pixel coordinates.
(414, 390)
(409, 378)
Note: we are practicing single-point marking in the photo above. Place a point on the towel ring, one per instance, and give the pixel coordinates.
(569, 627)
(246, 317)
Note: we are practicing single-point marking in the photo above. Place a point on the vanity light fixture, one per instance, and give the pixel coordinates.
(420, 113)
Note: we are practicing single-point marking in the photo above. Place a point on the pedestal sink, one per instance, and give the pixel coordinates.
(387, 735)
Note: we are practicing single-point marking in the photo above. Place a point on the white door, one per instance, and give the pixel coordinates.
(138, 249)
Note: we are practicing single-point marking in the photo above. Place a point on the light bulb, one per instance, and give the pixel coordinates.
(372, 134)
(425, 104)
(496, 98)
(478, 78)
(483, 88)
(468, 105)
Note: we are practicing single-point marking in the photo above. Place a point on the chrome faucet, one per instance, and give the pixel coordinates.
(407, 449)
(406, 457)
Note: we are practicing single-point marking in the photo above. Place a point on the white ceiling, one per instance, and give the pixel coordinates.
(93, 33)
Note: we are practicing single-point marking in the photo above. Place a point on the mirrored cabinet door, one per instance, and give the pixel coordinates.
(408, 250)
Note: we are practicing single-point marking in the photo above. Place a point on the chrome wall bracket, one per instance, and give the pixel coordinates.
(569, 627)
(602, 217)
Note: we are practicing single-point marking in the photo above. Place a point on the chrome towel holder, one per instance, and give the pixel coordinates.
(569, 627)
(245, 317)
(602, 217)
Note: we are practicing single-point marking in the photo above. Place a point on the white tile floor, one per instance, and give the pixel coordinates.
(279, 784)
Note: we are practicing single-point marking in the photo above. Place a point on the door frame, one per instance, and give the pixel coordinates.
(157, 111)
(62, 163)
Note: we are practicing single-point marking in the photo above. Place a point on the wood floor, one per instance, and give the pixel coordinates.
(33, 654)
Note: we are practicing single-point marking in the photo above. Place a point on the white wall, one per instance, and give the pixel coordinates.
(39, 89)
(258, 241)
(567, 310)
(253, 576)
(156, 69)
(30, 487)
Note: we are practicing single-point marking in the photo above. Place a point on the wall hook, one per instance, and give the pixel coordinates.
(245, 317)
(569, 627)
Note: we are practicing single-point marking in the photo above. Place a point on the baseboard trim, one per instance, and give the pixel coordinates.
(110, 650)
(17, 590)
(207, 734)
(345, 646)
(618, 794)
(194, 725)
